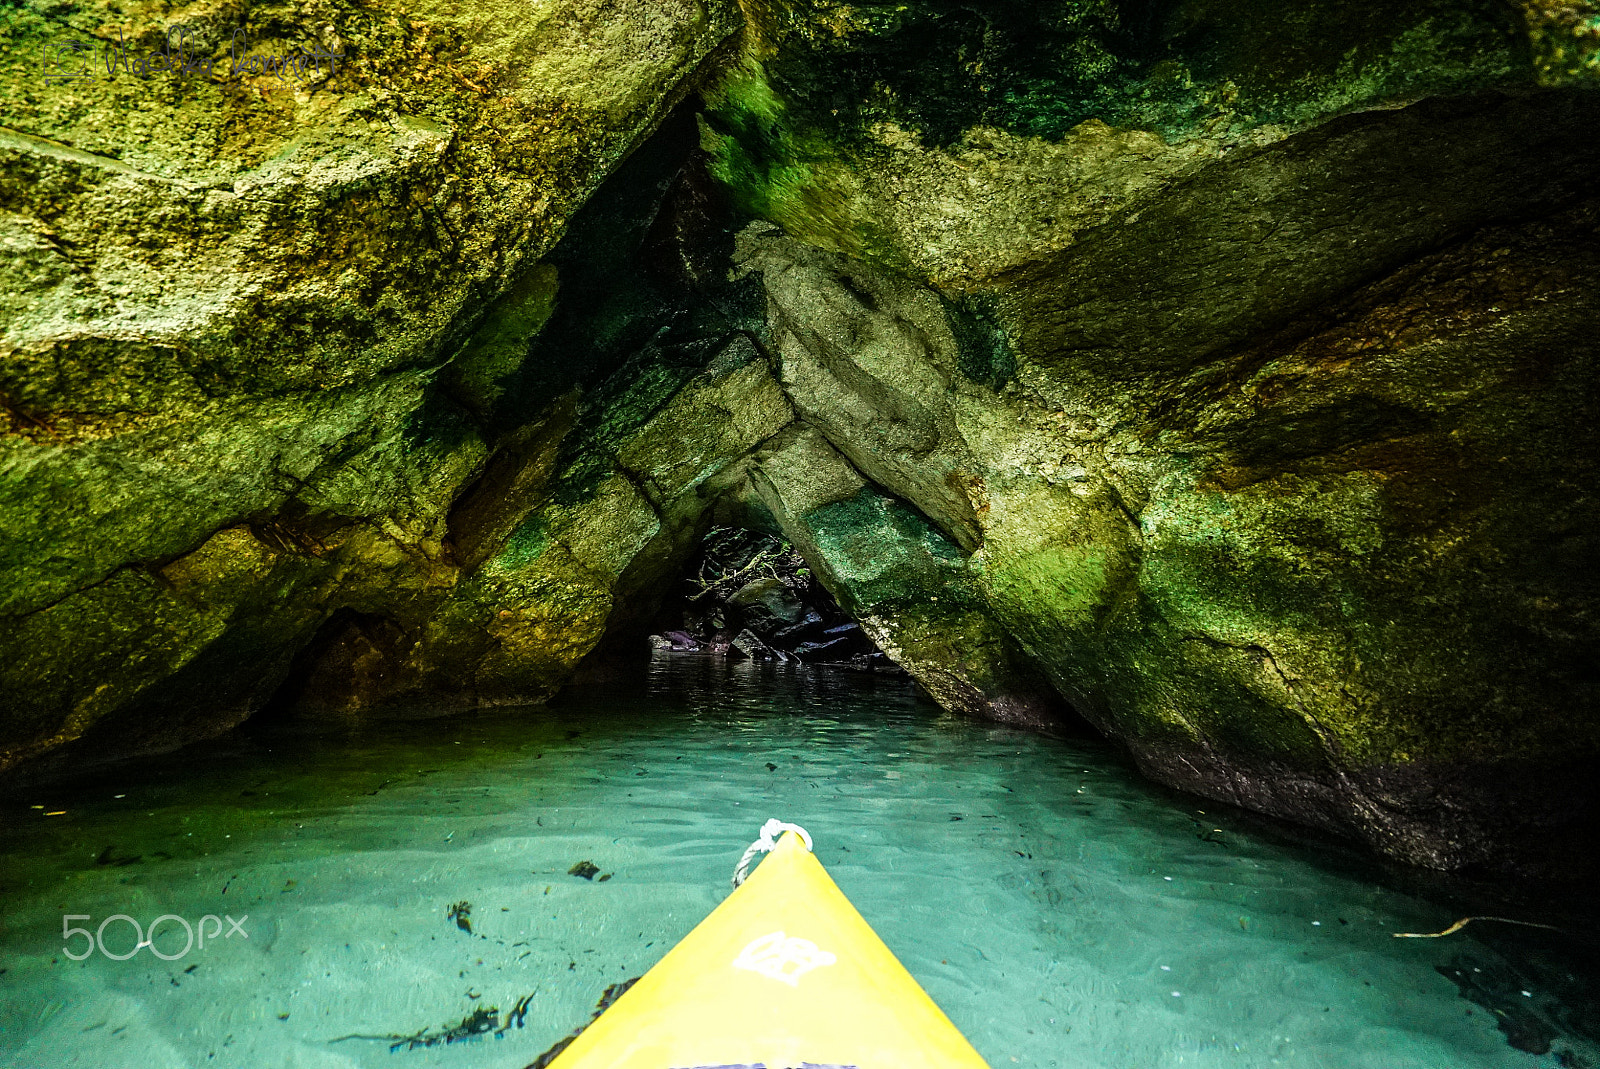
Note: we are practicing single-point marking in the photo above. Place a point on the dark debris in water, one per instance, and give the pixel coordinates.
(485, 1020)
(586, 869)
(108, 857)
(461, 913)
(518, 1012)
(1531, 1024)
(473, 1026)
(609, 996)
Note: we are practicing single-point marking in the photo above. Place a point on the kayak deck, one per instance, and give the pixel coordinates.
(784, 974)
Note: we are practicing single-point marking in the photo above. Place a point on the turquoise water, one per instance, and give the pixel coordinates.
(1062, 911)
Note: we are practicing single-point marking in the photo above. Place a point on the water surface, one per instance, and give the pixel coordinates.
(1062, 911)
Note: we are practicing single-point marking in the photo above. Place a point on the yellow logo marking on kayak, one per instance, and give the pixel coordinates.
(782, 957)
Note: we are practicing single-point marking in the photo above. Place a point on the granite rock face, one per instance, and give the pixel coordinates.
(1261, 417)
(1220, 374)
(909, 586)
(1358, 599)
(225, 307)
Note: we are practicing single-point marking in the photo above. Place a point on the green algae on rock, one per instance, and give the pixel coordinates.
(1028, 124)
(1218, 371)
(230, 299)
(908, 585)
(1276, 590)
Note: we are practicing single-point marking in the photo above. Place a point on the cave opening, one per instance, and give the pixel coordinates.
(745, 592)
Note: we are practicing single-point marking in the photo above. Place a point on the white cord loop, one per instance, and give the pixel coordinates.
(769, 839)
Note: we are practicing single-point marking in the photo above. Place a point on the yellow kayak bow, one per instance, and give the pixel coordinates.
(785, 974)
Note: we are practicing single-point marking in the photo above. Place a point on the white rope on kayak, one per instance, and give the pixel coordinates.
(769, 839)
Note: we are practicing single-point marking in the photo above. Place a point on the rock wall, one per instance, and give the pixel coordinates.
(1222, 374)
(1339, 577)
(1249, 387)
(238, 309)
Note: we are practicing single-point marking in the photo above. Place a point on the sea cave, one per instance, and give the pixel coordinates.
(1107, 489)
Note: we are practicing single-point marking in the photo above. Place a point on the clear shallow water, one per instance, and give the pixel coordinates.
(1062, 911)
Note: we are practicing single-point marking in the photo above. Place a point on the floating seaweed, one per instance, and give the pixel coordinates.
(515, 1017)
(475, 1025)
(485, 1020)
(586, 869)
(460, 913)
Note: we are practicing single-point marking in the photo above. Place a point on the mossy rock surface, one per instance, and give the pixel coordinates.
(1326, 569)
(1222, 371)
(899, 133)
(1246, 345)
(240, 300)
